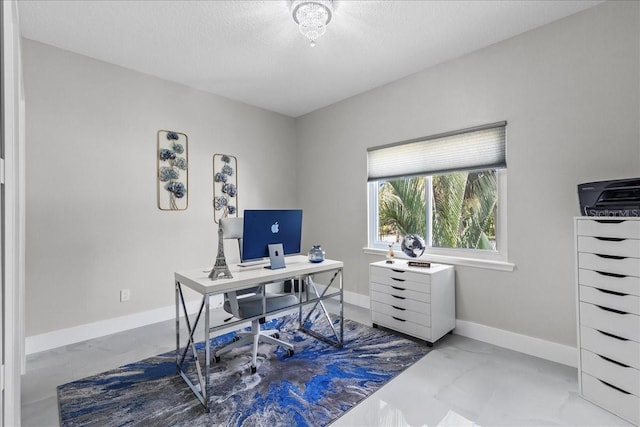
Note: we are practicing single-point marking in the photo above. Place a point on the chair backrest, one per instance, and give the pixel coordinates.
(232, 229)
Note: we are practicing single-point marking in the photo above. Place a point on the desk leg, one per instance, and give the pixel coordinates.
(178, 326)
(199, 389)
(319, 296)
(341, 311)
(207, 343)
(303, 284)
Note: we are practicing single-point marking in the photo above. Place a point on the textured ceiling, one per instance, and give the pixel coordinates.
(251, 51)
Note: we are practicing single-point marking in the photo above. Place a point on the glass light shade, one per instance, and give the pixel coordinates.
(312, 17)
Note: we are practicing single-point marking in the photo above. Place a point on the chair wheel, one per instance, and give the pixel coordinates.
(236, 338)
(216, 359)
(276, 335)
(290, 352)
(253, 369)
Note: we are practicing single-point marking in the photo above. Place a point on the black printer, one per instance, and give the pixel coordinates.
(620, 197)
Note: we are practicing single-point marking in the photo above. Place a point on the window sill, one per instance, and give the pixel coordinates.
(467, 262)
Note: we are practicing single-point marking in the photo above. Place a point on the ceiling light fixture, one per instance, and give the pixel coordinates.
(312, 17)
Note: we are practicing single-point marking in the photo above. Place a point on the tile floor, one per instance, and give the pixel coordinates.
(461, 382)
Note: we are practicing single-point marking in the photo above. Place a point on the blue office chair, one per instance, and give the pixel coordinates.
(252, 302)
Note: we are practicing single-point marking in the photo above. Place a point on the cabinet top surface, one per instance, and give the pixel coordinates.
(401, 264)
(607, 218)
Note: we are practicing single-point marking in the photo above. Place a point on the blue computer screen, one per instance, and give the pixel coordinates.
(264, 227)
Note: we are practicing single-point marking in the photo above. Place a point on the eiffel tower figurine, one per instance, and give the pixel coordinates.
(220, 269)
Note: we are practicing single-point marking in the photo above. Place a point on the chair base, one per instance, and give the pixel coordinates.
(255, 337)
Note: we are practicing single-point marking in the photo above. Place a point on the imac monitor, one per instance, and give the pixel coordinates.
(265, 227)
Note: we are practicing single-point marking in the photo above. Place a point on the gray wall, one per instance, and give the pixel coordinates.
(93, 226)
(570, 93)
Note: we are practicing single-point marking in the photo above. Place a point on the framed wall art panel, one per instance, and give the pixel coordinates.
(225, 186)
(173, 171)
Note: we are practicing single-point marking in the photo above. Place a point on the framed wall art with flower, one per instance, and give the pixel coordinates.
(225, 188)
(173, 172)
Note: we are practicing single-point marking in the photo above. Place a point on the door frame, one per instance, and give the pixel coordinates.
(13, 220)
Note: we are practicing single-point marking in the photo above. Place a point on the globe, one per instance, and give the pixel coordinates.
(413, 245)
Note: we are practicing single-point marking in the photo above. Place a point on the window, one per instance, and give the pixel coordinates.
(449, 189)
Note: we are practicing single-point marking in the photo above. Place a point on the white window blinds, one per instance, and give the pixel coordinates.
(482, 147)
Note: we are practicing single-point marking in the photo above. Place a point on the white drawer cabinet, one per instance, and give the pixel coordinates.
(413, 300)
(608, 290)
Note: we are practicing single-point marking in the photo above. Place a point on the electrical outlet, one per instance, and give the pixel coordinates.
(216, 302)
(125, 295)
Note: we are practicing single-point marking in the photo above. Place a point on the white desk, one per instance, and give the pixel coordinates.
(297, 267)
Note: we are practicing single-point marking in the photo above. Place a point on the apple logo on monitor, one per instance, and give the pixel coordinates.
(275, 228)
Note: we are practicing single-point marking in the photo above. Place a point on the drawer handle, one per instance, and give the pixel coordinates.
(607, 291)
(611, 256)
(609, 221)
(612, 310)
(398, 289)
(611, 335)
(397, 318)
(611, 239)
(614, 387)
(604, 273)
(396, 296)
(397, 271)
(398, 308)
(614, 361)
(397, 280)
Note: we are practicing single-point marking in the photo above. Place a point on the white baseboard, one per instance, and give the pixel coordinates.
(548, 350)
(356, 299)
(62, 337)
(76, 334)
(555, 352)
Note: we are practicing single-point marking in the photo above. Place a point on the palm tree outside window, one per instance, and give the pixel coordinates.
(462, 209)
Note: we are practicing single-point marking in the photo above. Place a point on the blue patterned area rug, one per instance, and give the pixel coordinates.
(315, 386)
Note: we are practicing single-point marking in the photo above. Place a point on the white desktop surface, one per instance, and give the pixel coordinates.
(199, 281)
